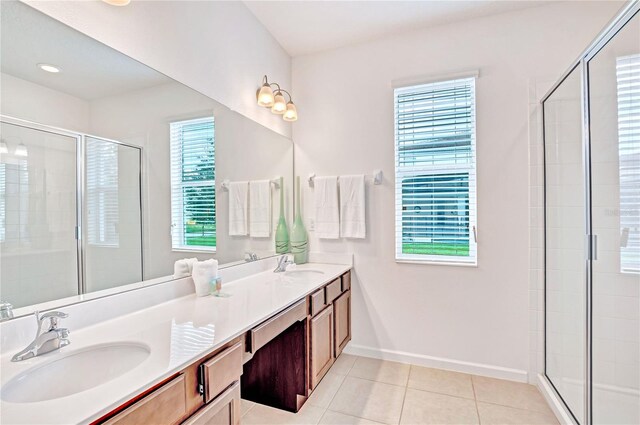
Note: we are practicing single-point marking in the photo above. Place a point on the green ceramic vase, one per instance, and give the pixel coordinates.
(282, 231)
(299, 240)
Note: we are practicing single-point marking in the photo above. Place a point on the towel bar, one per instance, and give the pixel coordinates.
(376, 177)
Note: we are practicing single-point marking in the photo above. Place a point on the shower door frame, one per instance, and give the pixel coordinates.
(607, 34)
(80, 139)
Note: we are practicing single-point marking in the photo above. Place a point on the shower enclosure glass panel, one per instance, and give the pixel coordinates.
(112, 227)
(38, 246)
(565, 242)
(614, 104)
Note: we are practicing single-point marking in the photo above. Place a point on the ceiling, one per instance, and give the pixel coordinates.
(90, 70)
(304, 27)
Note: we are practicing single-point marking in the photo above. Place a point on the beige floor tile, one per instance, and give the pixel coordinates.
(375, 401)
(380, 371)
(421, 407)
(343, 364)
(441, 381)
(245, 406)
(335, 418)
(491, 414)
(326, 389)
(509, 393)
(265, 415)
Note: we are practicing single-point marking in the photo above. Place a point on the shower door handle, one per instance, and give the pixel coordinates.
(593, 247)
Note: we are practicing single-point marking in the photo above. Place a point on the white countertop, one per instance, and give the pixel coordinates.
(178, 332)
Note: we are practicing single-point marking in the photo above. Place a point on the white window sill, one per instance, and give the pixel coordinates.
(436, 263)
(200, 251)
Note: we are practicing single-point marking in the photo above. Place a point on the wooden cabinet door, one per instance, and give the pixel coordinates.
(321, 350)
(164, 406)
(224, 410)
(342, 313)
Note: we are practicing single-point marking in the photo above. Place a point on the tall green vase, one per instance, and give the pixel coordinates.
(282, 232)
(299, 240)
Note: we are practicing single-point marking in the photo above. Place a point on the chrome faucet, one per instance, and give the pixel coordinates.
(51, 339)
(283, 262)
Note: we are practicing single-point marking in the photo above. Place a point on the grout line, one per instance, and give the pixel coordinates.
(404, 398)
(336, 393)
(475, 400)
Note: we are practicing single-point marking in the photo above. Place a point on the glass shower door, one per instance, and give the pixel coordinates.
(565, 227)
(112, 214)
(38, 245)
(614, 102)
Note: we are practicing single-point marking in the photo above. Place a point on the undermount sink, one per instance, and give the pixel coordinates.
(303, 273)
(77, 371)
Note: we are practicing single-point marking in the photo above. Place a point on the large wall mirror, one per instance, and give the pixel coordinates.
(110, 171)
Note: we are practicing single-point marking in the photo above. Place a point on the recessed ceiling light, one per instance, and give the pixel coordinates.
(48, 68)
(117, 2)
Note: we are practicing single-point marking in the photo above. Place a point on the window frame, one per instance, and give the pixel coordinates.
(177, 205)
(403, 172)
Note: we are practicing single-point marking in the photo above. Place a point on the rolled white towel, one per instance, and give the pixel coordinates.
(203, 272)
(191, 262)
(181, 269)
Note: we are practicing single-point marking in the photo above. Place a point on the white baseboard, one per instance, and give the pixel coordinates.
(557, 407)
(438, 362)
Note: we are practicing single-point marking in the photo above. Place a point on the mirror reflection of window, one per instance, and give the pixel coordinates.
(193, 189)
(14, 201)
(102, 193)
(628, 90)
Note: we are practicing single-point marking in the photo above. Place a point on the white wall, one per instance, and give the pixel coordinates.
(421, 312)
(33, 102)
(217, 48)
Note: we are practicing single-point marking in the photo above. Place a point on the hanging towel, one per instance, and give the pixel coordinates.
(238, 199)
(203, 272)
(352, 207)
(260, 209)
(326, 207)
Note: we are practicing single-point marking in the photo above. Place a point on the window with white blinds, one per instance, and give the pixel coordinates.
(101, 169)
(628, 87)
(193, 188)
(436, 172)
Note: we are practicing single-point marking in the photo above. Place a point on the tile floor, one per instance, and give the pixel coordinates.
(360, 390)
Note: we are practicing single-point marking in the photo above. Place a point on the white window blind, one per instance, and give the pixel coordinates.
(3, 202)
(102, 192)
(436, 172)
(193, 189)
(628, 87)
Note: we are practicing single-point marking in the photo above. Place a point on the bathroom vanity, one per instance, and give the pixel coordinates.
(272, 340)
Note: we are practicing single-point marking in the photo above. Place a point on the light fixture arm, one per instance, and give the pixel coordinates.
(265, 80)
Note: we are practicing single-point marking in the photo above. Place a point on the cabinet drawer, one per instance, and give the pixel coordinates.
(262, 334)
(346, 281)
(224, 410)
(333, 290)
(221, 371)
(317, 302)
(165, 406)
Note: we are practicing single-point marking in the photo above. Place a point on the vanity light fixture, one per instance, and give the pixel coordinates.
(276, 101)
(3, 147)
(49, 68)
(117, 2)
(21, 150)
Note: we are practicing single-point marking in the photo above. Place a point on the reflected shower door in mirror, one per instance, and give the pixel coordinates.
(155, 158)
(565, 227)
(111, 214)
(39, 249)
(614, 104)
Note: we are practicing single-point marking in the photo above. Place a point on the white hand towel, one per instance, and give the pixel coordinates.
(238, 198)
(180, 269)
(260, 209)
(352, 207)
(203, 272)
(326, 207)
(191, 262)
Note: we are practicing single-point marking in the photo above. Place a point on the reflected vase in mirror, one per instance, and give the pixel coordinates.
(299, 240)
(282, 231)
